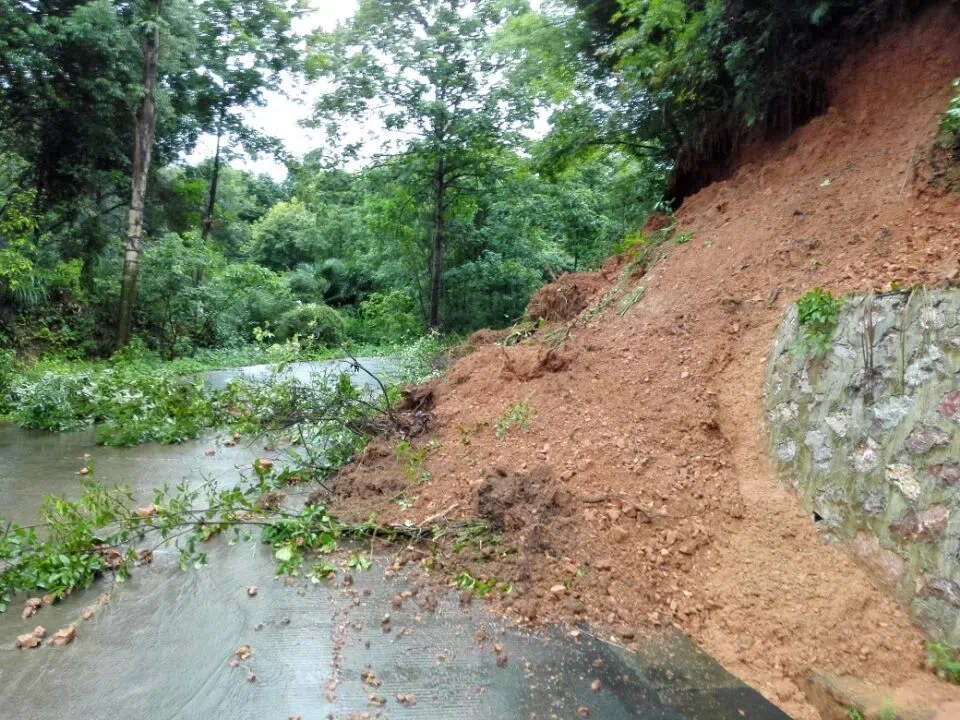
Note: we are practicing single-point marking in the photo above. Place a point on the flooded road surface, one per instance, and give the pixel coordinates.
(303, 371)
(159, 646)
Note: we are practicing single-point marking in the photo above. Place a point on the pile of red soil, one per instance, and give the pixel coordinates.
(566, 298)
(640, 495)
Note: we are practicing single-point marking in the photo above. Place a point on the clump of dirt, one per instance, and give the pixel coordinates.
(566, 298)
(655, 223)
(945, 161)
(528, 504)
(356, 483)
(533, 362)
(419, 399)
(486, 337)
(649, 412)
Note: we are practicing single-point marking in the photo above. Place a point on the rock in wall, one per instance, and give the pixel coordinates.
(869, 435)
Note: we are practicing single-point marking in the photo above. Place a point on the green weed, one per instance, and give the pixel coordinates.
(819, 312)
(475, 536)
(951, 118)
(322, 571)
(359, 562)
(481, 588)
(518, 415)
(943, 660)
(413, 459)
(418, 362)
(632, 299)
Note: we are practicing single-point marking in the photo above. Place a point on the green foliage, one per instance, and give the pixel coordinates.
(8, 371)
(389, 318)
(818, 312)
(334, 419)
(135, 400)
(104, 530)
(951, 118)
(412, 460)
(319, 323)
(418, 362)
(481, 588)
(128, 405)
(311, 530)
(944, 661)
(518, 415)
(686, 81)
(286, 237)
(357, 561)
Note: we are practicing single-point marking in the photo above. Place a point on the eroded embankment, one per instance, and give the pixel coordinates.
(640, 494)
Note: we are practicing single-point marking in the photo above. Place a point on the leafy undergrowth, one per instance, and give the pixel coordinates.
(105, 531)
(135, 399)
(128, 405)
(943, 661)
(818, 312)
(946, 150)
(328, 421)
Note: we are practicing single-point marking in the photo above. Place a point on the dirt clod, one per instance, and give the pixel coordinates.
(63, 636)
(27, 641)
(30, 608)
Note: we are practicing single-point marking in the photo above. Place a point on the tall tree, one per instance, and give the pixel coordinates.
(428, 77)
(144, 129)
(247, 47)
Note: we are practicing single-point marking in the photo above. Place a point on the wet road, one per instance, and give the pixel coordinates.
(159, 646)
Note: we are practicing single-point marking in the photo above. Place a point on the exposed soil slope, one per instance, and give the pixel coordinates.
(642, 482)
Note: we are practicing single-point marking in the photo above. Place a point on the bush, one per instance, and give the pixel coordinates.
(389, 318)
(819, 312)
(418, 362)
(7, 373)
(307, 283)
(131, 406)
(699, 77)
(247, 296)
(319, 323)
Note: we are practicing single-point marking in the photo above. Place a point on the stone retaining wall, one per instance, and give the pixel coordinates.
(869, 435)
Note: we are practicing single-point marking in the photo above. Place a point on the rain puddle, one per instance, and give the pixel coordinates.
(162, 646)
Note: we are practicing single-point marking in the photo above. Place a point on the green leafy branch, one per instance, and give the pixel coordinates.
(819, 313)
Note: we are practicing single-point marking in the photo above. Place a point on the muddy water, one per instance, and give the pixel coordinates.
(158, 647)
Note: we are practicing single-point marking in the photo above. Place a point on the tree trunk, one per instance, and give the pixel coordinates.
(214, 178)
(439, 240)
(145, 123)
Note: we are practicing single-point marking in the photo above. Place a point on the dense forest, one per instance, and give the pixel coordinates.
(476, 149)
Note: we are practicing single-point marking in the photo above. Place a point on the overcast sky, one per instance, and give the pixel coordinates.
(281, 115)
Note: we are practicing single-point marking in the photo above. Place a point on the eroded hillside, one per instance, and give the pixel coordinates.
(621, 450)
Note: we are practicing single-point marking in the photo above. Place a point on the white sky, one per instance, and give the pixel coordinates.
(281, 115)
